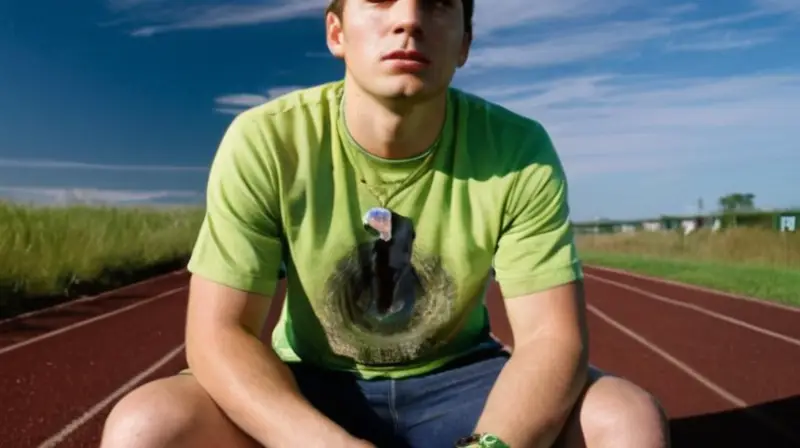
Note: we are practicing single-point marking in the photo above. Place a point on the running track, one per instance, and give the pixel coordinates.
(727, 369)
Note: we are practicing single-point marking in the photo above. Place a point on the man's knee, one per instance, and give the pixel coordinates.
(616, 412)
(156, 414)
(169, 412)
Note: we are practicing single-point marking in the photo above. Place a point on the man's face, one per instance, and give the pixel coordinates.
(400, 48)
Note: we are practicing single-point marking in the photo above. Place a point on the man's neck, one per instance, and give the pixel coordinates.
(393, 131)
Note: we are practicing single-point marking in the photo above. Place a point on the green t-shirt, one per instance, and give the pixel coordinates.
(289, 184)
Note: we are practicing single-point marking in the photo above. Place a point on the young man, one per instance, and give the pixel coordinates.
(390, 198)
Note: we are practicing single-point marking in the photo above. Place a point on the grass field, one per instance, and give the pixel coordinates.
(758, 263)
(50, 252)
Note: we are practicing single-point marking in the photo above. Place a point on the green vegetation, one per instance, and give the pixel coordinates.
(737, 202)
(64, 251)
(48, 254)
(756, 262)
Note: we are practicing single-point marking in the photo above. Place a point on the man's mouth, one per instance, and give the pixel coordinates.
(406, 55)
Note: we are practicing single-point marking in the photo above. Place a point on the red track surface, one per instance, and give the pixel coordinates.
(726, 369)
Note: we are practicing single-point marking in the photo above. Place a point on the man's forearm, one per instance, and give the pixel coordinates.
(259, 393)
(535, 393)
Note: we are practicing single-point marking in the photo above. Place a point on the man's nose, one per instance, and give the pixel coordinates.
(408, 17)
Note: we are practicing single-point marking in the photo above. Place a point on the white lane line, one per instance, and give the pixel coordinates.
(71, 427)
(711, 385)
(700, 309)
(762, 302)
(82, 323)
(102, 295)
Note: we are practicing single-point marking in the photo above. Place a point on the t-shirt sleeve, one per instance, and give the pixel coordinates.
(239, 242)
(536, 249)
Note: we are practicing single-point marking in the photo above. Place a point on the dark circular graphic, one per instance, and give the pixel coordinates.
(386, 302)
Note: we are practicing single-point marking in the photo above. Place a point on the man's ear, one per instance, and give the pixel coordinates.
(334, 35)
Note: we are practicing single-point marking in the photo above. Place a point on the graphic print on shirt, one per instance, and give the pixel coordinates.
(386, 301)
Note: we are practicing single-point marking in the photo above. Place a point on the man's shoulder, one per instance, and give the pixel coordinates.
(306, 103)
(499, 136)
(493, 114)
(289, 122)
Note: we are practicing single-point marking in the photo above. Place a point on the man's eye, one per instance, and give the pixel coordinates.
(439, 3)
(427, 4)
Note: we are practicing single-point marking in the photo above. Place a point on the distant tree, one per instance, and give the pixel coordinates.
(737, 202)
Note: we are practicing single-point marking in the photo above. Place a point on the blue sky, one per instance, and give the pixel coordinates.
(652, 105)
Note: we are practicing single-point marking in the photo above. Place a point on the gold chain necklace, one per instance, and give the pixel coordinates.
(384, 194)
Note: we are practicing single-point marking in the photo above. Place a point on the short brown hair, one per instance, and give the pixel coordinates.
(336, 7)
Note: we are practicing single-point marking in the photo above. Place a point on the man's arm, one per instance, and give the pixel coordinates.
(244, 376)
(235, 265)
(539, 273)
(539, 385)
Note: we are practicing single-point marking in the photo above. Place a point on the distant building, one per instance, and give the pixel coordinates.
(652, 226)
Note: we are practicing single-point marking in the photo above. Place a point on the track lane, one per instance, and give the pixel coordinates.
(750, 366)
(35, 324)
(781, 319)
(740, 359)
(615, 353)
(700, 418)
(88, 433)
(47, 384)
(699, 415)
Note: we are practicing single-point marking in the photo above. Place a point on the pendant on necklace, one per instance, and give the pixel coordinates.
(378, 222)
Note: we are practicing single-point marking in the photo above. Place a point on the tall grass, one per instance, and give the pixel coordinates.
(754, 262)
(750, 246)
(63, 251)
(47, 251)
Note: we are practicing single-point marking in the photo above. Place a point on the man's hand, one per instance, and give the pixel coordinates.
(246, 379)
(538, 387)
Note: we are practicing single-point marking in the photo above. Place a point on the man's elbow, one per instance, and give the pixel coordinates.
(201, 347)
(575, 346)
(570, 348)
(207, 347)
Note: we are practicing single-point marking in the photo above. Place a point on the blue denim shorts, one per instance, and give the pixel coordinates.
(433, 410)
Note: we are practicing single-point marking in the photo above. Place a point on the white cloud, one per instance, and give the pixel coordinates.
(490, 16)
(159, 16)
(73, 165)
(722, 41)
(610, 121)
(237, 102)
(241, 99)
(779, 5)
(95, 195)
(623, 123)
(573, 44)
